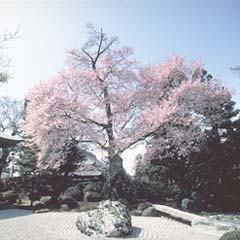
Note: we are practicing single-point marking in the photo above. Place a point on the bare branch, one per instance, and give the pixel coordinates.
(7, 36)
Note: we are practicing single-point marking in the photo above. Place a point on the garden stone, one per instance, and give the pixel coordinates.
(135, 212)
(111, 219)
(44, 210)
(142, 206)
(150, 212)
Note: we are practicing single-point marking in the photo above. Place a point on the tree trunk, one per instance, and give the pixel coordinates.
(115, 175)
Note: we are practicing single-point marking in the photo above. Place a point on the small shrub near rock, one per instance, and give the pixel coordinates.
(234, 235)
(111, 219)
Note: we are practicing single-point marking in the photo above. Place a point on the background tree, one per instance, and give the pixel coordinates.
(209, 171)
(106, 98)
(11, 117)
(26, 161)
(4, 101)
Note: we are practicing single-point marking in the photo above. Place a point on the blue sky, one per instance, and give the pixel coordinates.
(198, 29)
(206, 30)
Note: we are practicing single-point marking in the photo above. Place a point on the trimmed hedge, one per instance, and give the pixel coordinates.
(10, 196)
(234, 235)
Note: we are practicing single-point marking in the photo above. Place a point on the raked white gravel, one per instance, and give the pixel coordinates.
(22, 225)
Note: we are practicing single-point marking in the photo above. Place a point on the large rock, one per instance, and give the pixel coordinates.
(144, 205)
(150, 212)
(111, 219)
(135, 212)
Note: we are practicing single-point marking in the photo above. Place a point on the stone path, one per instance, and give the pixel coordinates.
(22, 225)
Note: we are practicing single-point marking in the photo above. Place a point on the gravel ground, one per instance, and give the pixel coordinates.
(23, 225)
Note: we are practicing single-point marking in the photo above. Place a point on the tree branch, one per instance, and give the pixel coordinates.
(141, 138)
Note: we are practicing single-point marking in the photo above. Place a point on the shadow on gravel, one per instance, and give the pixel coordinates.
(12, 213)
(135, 233)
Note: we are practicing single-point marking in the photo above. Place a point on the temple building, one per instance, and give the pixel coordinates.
(8, 140)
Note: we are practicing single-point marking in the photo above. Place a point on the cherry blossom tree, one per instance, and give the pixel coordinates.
(107, 98)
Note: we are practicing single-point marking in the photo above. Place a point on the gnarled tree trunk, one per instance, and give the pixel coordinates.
(117, 184)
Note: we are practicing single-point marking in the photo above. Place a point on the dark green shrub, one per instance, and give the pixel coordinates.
(234, 235)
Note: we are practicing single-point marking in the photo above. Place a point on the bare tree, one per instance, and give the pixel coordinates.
(4, 60)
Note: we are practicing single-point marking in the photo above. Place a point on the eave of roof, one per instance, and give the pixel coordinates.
(9, 140)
